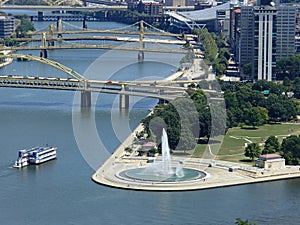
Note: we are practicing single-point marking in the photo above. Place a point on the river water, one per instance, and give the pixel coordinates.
(62, 192)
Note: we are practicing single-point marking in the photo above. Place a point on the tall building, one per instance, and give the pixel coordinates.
(246, 37)
(267, 34)
(286, 32)
(6, 26)
(265, 42)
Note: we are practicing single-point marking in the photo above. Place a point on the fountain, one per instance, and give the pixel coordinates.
(165, 170)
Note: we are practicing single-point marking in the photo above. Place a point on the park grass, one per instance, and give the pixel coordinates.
(232, 147)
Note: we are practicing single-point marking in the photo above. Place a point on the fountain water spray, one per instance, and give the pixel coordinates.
(164, 169)
(166, 157)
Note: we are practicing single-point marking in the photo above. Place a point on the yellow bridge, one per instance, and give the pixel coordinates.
(160, 89)
(54, 2)
(56, 39)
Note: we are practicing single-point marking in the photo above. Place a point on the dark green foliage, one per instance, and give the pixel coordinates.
(25, 26)
(247, 104)
(290, 149)
(185, 120)
(271, 145)
(210, 46)
(239, 221)
(252, 151)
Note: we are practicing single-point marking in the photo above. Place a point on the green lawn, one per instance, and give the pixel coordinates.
(231, 148)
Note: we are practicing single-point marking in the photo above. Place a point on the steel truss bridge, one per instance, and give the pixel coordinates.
(57, 38)
(54, 2)
(160, 89)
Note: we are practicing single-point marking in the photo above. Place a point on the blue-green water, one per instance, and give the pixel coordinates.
(143, 175)
(61, 191)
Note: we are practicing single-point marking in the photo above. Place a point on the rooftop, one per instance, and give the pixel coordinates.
(204, 14)
(270, 156)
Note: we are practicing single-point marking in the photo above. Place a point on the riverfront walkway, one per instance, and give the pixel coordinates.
(219, 173)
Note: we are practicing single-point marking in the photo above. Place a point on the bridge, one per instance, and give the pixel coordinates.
(56, 6)
(54, 2)
(76, 82)
(56, 39)
(160, 89)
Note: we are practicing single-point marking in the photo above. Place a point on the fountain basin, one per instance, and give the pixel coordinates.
(139, 175)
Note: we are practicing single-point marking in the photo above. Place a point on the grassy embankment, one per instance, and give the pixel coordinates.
(233, 145)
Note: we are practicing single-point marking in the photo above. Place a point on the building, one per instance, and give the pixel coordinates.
(234, 31)
(266, 34)
(148, 7)
(6, 26)
(264, 59)
(212, 18)
(174, 2)
(270, 161)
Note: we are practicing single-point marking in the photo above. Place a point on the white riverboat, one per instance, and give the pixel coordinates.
(35, 155)
(42, 154)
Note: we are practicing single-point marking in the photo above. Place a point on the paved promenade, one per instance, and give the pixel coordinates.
(219, 173)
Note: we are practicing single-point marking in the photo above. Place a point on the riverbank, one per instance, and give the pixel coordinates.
(219, 173)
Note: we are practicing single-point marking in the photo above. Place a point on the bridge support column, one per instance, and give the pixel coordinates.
(59, 27)
(141, 56)
(44, 53)
(86, 99)
(84, 23)
(141, 42)
(40, 16)
(124, 101)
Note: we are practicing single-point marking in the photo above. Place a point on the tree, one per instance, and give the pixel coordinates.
(271, 145)
(286, 81)
(254, 117)
(239, 221)
(187, 140)
(290, 149)
(252, 151)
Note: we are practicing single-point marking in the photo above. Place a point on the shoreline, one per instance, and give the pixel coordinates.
(220, 173)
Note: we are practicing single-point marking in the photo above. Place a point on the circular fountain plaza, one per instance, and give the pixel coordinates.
(163, 174)
(181, 174)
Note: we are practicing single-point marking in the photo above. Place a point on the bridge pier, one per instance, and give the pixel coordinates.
(124, 99)
(84, 23)
(40, 16)
(141, 56)
(44, 53)
(86, 99)
(141, 42)
(59, 27)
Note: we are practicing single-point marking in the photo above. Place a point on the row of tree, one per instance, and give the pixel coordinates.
(289, 149)
(188, 119)
(255, 104)
(215, 52)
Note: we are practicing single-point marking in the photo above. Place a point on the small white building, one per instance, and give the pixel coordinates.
(270, 161)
